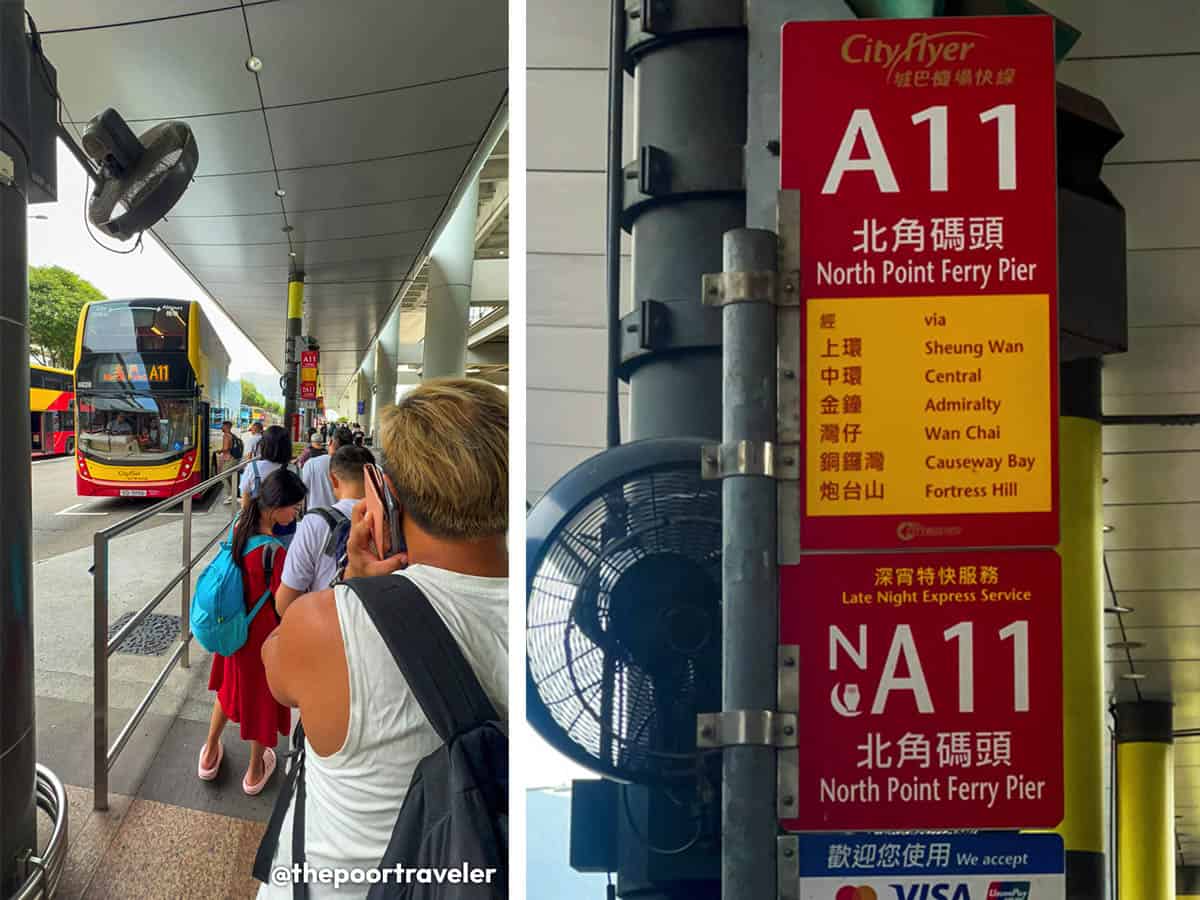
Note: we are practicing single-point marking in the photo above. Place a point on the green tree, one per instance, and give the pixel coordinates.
(252, 396)
(56, 297)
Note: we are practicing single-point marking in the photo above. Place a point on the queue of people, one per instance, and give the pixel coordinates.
(317, 645)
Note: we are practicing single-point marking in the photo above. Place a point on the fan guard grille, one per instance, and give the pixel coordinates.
(657, 518)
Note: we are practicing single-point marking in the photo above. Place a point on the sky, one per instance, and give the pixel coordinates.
(61, 239)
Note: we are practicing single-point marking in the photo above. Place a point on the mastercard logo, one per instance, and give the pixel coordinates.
(849, 892)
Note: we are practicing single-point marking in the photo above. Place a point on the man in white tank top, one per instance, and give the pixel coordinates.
(446, 444)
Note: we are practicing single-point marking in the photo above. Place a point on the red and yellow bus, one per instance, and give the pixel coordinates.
(147, 374)
(51, 410)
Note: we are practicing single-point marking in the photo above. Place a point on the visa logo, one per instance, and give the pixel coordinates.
(941, 891)
(1008, 890)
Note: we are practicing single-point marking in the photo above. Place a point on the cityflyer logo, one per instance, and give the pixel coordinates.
(1008, 890)
(850, 892)
(923, 48)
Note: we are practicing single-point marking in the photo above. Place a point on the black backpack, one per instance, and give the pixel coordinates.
(236, 447)
(456, 809)
(339, 534)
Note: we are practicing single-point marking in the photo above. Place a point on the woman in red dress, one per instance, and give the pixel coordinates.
(239, 680)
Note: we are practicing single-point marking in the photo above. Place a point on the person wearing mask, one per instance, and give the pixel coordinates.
(316, 447)
(240, 681)
(315, 473)
(312, 561)
(253, 439)
(446, 451)
(225, 460)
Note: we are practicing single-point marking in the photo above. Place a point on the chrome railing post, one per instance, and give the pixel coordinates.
(100, 662)
(185, 620)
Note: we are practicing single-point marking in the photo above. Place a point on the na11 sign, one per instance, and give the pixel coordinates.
(930, 690)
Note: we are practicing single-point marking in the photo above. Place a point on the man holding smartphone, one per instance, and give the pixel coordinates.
(446, 448)
(313, 558)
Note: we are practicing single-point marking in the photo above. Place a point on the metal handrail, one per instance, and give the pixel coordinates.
(48, 868)
(103, 647)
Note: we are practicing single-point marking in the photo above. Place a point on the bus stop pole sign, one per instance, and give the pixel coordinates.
(923, 153)
(930, 690)
(930, 670)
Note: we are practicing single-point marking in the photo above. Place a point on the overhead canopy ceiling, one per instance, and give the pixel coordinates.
(366, 115)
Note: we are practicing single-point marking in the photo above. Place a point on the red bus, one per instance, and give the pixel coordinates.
(51, 410)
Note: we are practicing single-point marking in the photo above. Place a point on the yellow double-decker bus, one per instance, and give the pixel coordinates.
(147, 374)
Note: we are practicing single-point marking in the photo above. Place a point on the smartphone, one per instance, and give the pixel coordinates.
(383, 513)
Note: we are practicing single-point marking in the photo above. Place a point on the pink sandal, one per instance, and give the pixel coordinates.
(210, 774)
(253, 790)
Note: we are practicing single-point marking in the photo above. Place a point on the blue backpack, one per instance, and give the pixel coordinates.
(218, 613)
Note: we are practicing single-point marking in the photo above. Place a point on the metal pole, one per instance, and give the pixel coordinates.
(18, 816)
(185, 599)
(690, 98)
(750, 609)
(616, 192)
(291, 362)
(100, 670)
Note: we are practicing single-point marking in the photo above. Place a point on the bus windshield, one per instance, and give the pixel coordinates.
(133, 427)
(137, 327)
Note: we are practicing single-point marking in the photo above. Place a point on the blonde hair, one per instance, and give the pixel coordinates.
(445, 447)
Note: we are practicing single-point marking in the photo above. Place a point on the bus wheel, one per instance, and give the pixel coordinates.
(70, 445)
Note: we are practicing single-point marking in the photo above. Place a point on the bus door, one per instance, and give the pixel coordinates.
(37, 426)
(204, 444)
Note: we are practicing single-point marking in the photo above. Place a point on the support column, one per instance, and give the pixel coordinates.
(1145, 800)
(691, 98)
(1082, 552)
(386, 350)
(291, 354)
(18, 822)
(451, 264)
(362, 394)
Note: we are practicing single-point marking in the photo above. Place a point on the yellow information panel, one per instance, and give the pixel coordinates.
(928, 405)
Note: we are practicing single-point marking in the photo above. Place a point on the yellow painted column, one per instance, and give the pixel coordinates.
(1145, 801)
(1081, 548)
(291, 363)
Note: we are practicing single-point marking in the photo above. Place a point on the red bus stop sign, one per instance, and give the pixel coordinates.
(930, 690)
(923, 154)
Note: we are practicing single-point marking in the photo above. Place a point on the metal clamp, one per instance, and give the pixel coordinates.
(787, 783)
(746, 727)
(789, 678)
(787, 864)
(762, 458)
(723, 288)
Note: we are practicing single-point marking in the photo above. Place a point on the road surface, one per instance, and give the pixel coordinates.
(63, 521)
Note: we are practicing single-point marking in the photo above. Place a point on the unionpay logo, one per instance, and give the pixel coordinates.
(850, 892)
(1008, 890)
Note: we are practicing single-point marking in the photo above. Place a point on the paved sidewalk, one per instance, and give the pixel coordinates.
(166, 833)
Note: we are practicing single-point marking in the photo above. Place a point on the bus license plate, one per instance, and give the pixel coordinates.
(132, 492)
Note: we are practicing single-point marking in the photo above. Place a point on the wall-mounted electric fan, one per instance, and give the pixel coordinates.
(145, 176)
(624, 610)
